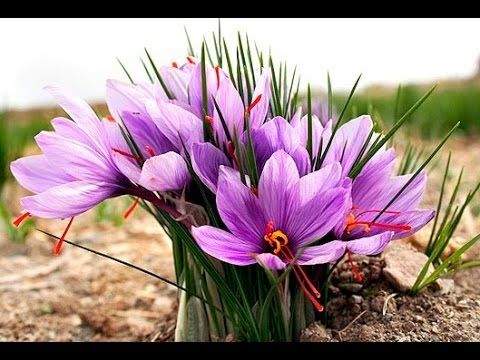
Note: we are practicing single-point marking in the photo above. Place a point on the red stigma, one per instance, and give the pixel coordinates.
(352, 221)
(149, 150)
(21, 219)
(124, 153)
(175, 65)
(217, 73)
(58, 247)
(132, 207)
(269, 227)
(190, 60)
(253, 104)
(357, 275)
(231, 152)
(254, 190)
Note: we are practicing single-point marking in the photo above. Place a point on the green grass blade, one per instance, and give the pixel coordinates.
(125, 71)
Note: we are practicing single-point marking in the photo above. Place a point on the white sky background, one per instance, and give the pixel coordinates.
(79, 54)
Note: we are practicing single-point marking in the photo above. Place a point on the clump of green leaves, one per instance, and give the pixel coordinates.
(442, 233)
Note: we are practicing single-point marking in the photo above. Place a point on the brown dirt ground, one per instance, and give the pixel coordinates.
(78, 296)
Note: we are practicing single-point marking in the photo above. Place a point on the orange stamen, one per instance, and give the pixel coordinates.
(253, 104)
(58, 247)
(131, 208)
(254, 190)
(21, 219)
(175, 65)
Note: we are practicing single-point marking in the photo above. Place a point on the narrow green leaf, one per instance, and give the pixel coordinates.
(425, 163)
(309, 123)
(373, 150)
(191, 52)
(125, 71)
(146, 70)
(159, 77)
(329, 96)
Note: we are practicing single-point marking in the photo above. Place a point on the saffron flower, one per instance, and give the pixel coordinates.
(277, 225)
(78, 168)
(368, 226)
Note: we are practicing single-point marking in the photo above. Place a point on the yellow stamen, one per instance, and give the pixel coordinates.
(276, 240)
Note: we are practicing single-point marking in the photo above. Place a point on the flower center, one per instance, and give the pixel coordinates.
(278, 240)
(353, 221)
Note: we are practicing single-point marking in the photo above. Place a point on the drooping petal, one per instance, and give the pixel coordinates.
(239, 208)
(322, 254)
(260, 110)
(278, 189)
(166, 172)
(67, 200)
(270, 261)
(206, 161)
(315, 218)
(225, 246)
(278, 134)
(369, 245)
(36, 174)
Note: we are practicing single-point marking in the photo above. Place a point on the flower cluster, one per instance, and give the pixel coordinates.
(282, 189)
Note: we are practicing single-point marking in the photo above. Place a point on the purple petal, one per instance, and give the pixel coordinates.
(277, 189)
(417, 219)
(75, 158)
(322, 254)
(36, 174)
(270, 261)
(239, 209)
(371, 245)
(278, 134)
(315, 218)
(319, 181)
(195, 88)
(166, 172)
(206, 161)
(295, 120)
(176, 81)
(81, 113)
(67, 200)
(179, 126)
(375, 192)
(301, 128)
(225, 246)
(260, 111)
(70, 130)
(232, 110)
(348, 142)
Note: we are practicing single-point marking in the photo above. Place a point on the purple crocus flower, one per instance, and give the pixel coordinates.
(372, 190)
(278, 224)
(206, 158)
(77, 169)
